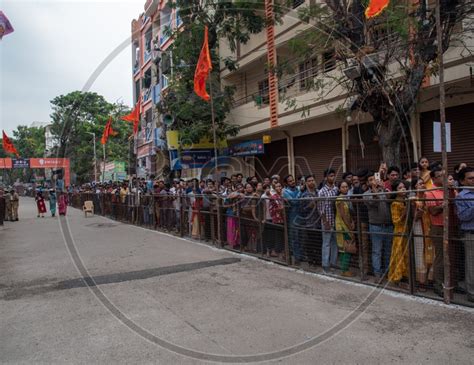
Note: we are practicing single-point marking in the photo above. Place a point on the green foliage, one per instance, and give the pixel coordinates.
(78, 114)
(233, 20)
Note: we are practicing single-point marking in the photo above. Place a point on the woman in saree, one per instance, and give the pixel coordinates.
(276, 231)
(52, 202)
(248, 219)
(40, 204)
(195, 202)
(62, 203)
(398, 267)
(344, 225)
(232, 204)
(424, 165)
(424, 251)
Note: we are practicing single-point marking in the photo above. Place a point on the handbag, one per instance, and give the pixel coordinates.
(350, 245)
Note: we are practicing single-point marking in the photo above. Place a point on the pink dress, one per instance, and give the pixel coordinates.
(62, 204)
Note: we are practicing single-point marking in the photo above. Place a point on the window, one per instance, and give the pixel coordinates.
(297, 3)
(137, 91)
(307, 71)
(263, 97)
(329, 61)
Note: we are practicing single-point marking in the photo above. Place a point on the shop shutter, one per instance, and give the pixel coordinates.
(274, 161)
(462, 135)
(316, 152)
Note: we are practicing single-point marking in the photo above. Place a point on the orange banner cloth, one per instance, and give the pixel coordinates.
(133, 117)
(8, 145)
(375, 7)
(203, 67)
(108, 131)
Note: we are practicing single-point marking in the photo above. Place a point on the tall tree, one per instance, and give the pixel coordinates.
(389, 56)
(78, 114)
(232, 20)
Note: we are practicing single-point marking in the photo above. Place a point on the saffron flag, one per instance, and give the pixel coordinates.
(203, 67)
(8, 145)
(108, 131)
(133, 117)
(5, 26)
(375, 7)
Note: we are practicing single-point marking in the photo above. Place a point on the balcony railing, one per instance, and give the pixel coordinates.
(164, 82)
(156, 94)
(146, 95)
(147, 56)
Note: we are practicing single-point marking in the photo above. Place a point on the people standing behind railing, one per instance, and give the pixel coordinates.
(424, 250)
(380, 224)
(361, 216)
(309, 220)
(435, 206)
(424, 165)
(195, 202)
(465, 212)
(398, 268)
(208, 209)
(156, 203)
(276, 233)
(345, 226)
(393, 175)
(231, 204)
(248, 219)
(2, 207)
(328, 220)
(291, 193)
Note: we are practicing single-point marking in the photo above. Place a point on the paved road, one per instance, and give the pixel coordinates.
(160, 299)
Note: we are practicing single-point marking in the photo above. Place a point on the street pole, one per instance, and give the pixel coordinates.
(444, 156)
(95, 157)
(103, 170)
(214, 132)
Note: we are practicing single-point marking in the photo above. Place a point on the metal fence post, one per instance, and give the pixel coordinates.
(359, 238)
(285, 237)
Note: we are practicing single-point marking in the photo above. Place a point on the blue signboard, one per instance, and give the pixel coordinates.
(21, 163)
(190, 159)
(248, 148)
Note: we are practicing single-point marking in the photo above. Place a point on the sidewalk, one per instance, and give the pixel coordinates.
(244, 307)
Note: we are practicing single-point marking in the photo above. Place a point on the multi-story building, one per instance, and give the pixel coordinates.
(312, 134)
(152, 68)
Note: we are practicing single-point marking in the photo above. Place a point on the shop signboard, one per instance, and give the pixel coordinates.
(190, 159)
(248, 148)
(21, 163)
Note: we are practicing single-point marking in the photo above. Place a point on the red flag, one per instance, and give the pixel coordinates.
(203, 67)
(8, 145)
(108, 131)
(133, 117)
(375, 7)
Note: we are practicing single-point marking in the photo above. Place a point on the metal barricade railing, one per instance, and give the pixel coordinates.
(402, 250)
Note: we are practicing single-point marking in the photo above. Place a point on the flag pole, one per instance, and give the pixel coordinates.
(103, 169)
(447, 292)
(214, 132)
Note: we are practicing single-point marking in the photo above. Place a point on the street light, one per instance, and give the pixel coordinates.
(95, 158)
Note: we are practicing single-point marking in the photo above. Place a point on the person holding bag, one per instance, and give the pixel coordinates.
(344, 226)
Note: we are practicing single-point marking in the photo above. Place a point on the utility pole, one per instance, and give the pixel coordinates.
(95, 157)
(444, 156)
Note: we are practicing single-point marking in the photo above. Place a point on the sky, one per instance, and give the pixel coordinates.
(56, 47)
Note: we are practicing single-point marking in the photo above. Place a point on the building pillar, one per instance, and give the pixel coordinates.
(290, 153)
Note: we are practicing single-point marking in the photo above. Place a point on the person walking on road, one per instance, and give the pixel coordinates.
(2, 208)
(8, 205)
(40, 204)
(62, 203)
(52, 202)
(15, 201)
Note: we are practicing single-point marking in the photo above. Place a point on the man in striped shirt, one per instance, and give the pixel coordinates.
(328, 219)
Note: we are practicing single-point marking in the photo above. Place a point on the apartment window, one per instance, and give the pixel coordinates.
(297, 3)
(137, 91)
(263, 88)
(329, 61)
(307, 71)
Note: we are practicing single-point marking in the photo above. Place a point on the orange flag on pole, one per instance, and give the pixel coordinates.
(133, 117)
(375, 7)
(8, 145)
(203, 67)
(108, 131)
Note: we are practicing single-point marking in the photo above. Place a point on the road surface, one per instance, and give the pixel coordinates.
(153, 298)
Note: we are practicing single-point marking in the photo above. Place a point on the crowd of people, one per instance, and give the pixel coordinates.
(325, 223)
(367, 216)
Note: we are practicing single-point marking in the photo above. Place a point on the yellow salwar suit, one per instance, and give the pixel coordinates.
(399, 258)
